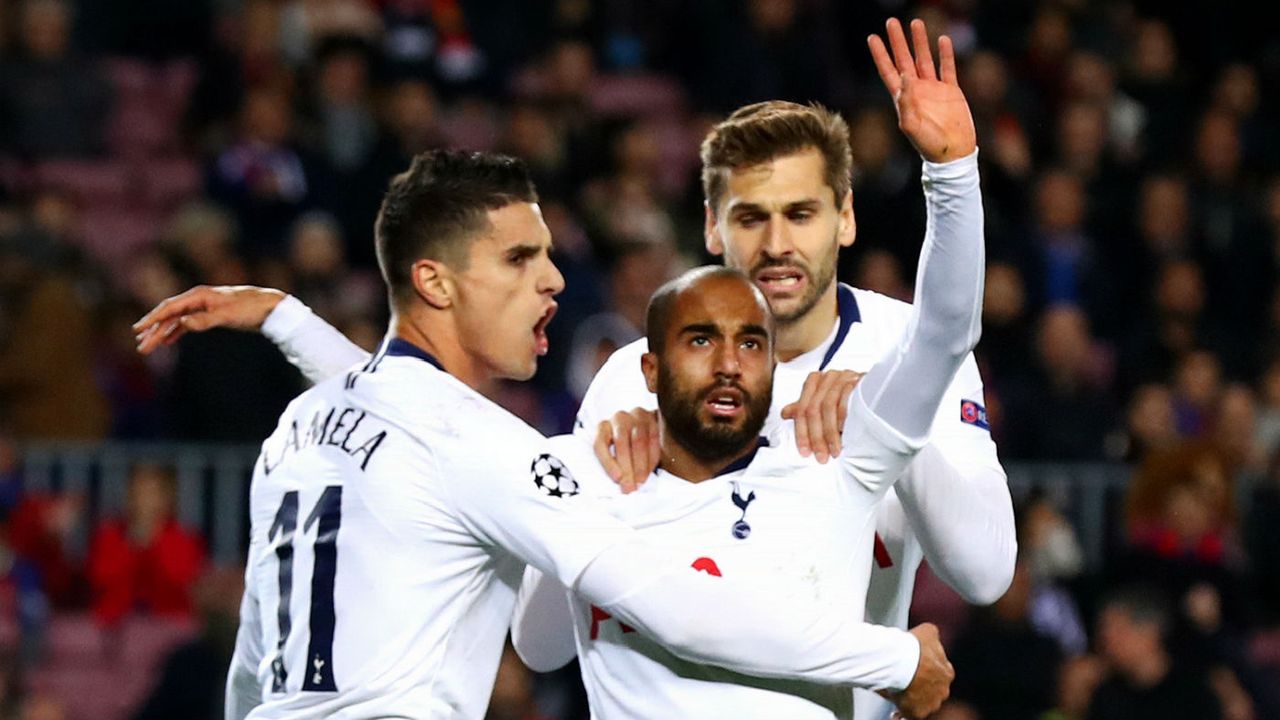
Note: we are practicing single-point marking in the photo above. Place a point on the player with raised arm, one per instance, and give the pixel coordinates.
(778, 207)
(740, 505)
(392, 512)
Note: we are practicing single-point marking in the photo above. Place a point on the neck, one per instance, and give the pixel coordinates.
(1150, 670)
(440, 338)
(807, 332)
(677, 460)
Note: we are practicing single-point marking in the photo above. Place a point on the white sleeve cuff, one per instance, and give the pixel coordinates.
(906, 649)
(959, 169)
(289, 315)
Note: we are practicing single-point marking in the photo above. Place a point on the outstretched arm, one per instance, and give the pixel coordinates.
(314, 346)
(893, 407)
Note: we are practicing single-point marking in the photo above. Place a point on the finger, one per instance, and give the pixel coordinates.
(947, 61)
(924, 58)
(803, 436)
(157, 335)
(639, 454)
(193, 300)
(201, 321)
(901, 52)
(842, 409)
(655, 455)
(813, 421)
(884, 65)
(603, 447)
(789, 411)
(622, 450)
(830, 416)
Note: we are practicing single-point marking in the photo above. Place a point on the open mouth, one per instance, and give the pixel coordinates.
(780, 279)
(725, 402)
(540, 341)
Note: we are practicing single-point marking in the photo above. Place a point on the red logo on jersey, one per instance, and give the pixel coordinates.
(707, 565)
(882, 554)
(702, 564)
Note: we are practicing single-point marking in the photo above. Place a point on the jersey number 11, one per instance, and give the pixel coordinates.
(318, 674)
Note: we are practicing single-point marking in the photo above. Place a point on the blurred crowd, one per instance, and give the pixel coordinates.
(1131, 173)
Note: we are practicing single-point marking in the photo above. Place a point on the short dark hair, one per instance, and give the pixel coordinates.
(438, 205)
(765, 131)
(658, 315)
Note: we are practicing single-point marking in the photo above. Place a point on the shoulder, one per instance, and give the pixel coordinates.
(876, 310)
(568, 456)
(618, 385)
(623, 364)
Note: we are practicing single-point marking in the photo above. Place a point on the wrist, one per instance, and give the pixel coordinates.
(285, 315)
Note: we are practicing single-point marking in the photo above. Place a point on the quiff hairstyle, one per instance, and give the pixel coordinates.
(765, 131)
(436, 207)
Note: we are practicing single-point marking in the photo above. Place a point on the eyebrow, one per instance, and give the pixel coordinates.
(700, 329)
(805, 204)
(713, 329)
(525, 250)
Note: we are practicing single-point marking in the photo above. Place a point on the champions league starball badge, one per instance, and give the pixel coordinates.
(552, 477)
(741, 530)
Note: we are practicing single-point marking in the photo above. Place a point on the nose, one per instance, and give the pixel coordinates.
(777, 240)
(552, 280)
(728, 363)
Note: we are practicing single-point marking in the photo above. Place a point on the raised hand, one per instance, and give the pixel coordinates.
(241, 307)
(932, 110)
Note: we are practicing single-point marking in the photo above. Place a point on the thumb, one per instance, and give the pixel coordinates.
(789, 412)
(199, 322)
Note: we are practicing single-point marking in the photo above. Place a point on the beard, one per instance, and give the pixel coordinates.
(713, 438)
(819, 282)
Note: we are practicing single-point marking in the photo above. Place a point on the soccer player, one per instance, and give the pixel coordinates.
(392, 513)
(735, 503)
(777, 178)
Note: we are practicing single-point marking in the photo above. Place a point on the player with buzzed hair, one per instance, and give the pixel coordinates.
(388, 537)
(738, 504)
(784, 214)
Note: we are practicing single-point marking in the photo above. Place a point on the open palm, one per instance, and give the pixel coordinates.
(932, 110)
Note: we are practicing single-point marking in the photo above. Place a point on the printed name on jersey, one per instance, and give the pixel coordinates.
(971, 413)
(324, 430)
(552, 477)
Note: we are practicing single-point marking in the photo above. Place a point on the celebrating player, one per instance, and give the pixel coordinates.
(779, 207)
(392, 512)
(737, 504)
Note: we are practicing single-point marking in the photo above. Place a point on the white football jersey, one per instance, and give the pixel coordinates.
(775, 515)
(869, 327)
(391, 519)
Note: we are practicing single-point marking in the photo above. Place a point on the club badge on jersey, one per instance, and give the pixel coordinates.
(552, 477)
(741, 529)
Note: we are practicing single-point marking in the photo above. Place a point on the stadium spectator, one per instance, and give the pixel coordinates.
(260, 175)
(144, 561)
(1063, 411)
(52, 100)
(47, 387)
(1144, 680)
